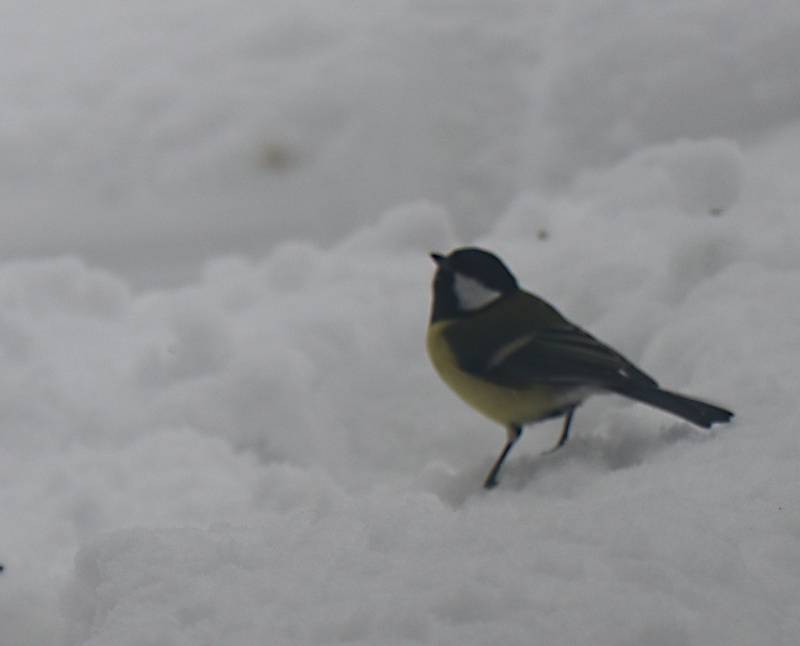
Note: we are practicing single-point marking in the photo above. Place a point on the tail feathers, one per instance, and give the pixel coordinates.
(692, 410)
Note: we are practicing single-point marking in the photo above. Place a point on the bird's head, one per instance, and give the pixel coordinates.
(467, 280)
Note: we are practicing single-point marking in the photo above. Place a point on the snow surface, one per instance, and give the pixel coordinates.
(217, 421)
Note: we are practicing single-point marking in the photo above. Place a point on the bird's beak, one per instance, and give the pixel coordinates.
(438, 258)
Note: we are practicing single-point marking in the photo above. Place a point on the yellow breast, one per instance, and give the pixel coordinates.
(499, 403)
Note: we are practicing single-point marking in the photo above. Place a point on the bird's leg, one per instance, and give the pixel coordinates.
(564, 431)
(514, 432)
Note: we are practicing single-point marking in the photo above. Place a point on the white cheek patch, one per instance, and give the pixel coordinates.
(471, 294)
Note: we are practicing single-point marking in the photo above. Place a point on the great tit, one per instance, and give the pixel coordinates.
(517, 360)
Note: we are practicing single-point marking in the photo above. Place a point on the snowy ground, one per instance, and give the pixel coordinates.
(217, 421)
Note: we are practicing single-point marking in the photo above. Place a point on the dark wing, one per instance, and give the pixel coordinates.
(568, 357)
(521, 340)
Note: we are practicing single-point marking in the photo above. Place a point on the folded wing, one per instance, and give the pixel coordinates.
(541, 346)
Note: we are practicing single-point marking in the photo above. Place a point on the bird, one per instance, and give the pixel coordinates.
(517, 360)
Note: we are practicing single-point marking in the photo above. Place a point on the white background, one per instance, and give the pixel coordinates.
(217, 421)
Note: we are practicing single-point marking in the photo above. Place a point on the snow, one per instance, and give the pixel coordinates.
(218, 424)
